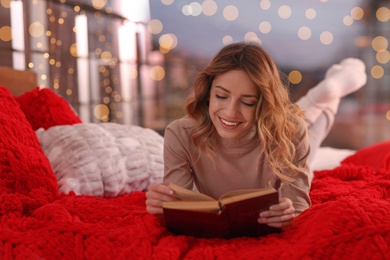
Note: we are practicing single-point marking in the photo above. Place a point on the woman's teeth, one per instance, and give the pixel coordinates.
(229, 123)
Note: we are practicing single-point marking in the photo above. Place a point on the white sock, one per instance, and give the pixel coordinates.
(340, 80)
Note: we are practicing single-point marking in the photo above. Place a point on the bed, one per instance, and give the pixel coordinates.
(54, 204)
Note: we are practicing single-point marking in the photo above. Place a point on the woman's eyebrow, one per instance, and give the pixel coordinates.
(251, 96)
(245, 95)
(222, 88)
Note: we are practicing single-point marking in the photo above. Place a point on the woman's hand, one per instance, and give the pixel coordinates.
(155, 196)
(280, 215)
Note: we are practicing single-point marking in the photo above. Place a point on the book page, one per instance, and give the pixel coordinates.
(206, 206)
(189, 195)
(238, 195)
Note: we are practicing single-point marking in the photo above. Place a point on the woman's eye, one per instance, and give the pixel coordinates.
(248, 104)
(220, 97)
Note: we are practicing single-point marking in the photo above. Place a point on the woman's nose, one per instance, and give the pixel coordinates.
(233, 108)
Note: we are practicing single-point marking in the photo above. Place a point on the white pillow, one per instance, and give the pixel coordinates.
(328, 158)
(105, 159)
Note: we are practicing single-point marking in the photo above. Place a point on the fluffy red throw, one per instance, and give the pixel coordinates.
(349, 218)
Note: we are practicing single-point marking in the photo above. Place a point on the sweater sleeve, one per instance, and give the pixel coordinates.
(177, 160)
(298, 190)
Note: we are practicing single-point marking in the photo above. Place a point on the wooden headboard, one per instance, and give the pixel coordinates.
(18, 81)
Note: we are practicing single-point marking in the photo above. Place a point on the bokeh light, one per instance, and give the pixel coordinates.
(383, 14)
(295, 77)
(310, 13)
(379, 43)
(227, 39)
(106, 56)
(5, 3)
(101, 112)
(193, 9)
(304, 33)
(357, 13)
(36, 29)
(5, 33)
(157, 73)
(73, 50)
(383, 56)
(155, 26)
(167, 2)
(230, 12)
(265, 4)
(209, 7)
(167, 42)
(265, 27)
(348, 20)
(284, 12)
(252, 37)
(377, 72)
(326, 38)
(99, 4)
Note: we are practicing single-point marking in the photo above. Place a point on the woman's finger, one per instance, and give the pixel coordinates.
(273, 213)
(161, 188)
(155, 196)
(278, 221)
(281, 224)
(284, 203)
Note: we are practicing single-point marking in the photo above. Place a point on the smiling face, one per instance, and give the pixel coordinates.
(233, 101)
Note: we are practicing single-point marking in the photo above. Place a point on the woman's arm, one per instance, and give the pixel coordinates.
(294, 195)
(178, 152)
(176, 168)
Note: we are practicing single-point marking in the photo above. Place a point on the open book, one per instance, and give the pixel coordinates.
(233, 214)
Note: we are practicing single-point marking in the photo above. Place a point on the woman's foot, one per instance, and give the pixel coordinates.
(340, 80)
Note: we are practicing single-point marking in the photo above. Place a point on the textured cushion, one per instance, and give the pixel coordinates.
(376, 156)
(104, 159)
(44, 108)
(26, 178)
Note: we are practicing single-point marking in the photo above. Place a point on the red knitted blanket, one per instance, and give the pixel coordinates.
(349, 218)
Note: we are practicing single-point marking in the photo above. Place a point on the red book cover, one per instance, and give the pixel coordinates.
(197, 223)
(243, 215)
(231, 216)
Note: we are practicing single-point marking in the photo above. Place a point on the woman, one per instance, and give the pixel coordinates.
(242, 131)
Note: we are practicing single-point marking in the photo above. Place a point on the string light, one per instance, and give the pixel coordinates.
(101, 49)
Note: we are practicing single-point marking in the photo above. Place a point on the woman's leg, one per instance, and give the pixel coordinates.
(321, 102)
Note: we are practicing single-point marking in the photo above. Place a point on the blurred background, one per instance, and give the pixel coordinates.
(134, 62)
